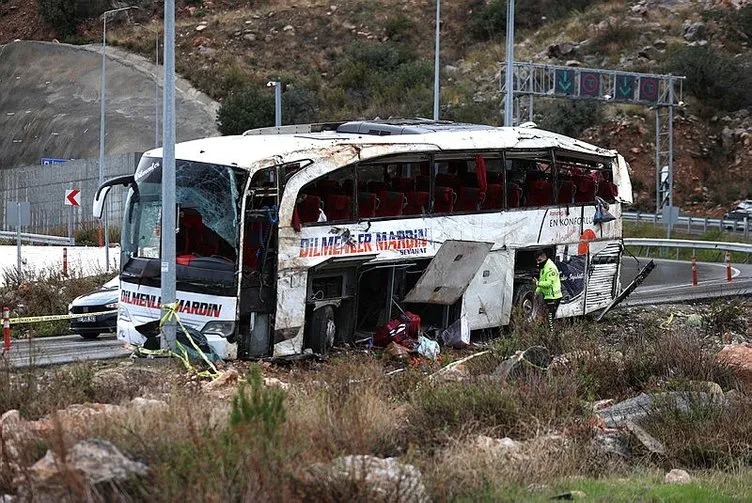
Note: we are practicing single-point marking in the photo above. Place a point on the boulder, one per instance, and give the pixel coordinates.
(739, 358)
(677, 477)
(377, 479)
(95, 461)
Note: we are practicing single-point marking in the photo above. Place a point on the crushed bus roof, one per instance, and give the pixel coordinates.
(312, 141)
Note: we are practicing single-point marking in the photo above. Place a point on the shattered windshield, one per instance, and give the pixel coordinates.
(208, 213)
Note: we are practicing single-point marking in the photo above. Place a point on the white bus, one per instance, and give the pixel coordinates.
(292, 239)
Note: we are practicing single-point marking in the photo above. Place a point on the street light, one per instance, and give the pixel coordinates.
(436, 63)
(509, 98)
(279, 87)
(101, 123)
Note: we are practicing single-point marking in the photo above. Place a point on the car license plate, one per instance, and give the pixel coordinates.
(87, 319)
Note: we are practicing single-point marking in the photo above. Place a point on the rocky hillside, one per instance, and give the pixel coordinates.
(365, 59)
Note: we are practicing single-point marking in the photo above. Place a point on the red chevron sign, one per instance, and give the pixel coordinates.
(73, 197)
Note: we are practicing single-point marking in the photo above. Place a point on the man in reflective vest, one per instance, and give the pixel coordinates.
(548, 284)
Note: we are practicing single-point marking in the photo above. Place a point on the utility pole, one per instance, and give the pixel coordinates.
(436, 62)
(168, 178)
(509, 98)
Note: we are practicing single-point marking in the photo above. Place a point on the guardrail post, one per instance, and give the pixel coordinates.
(705, 225)
(746, 227)
(728, 266)
(689, 225)
(65, 261)
(694, 269)
(6, 329)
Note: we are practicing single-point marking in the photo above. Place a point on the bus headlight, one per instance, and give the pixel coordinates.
(123, 313)
(222, 328)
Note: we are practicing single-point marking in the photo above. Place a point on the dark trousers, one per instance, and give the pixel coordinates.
(551, 306)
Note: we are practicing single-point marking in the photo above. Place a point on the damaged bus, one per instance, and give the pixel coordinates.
(290, 240)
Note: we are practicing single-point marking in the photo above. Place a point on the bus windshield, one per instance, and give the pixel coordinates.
(208, 214)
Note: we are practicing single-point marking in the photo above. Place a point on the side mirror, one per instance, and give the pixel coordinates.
(104, 189)
(99, 199)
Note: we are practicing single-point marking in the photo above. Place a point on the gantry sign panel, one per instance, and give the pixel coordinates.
(606, 85)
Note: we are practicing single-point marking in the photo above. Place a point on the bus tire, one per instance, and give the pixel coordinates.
(528, 302)
(321, 331)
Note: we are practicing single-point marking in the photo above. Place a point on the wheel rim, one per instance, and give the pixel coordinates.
(528, 308)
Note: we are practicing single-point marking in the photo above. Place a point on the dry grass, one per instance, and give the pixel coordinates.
(276, 445)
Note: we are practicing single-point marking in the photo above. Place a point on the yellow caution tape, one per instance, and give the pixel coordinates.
(171, 312)
(56, 317)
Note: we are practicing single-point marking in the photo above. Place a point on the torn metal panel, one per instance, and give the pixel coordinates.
(604, 269)
(449, 274)
(488, 299)
(621, 179)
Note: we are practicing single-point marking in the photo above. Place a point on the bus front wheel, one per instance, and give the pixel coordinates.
(528, 303)
(321, 330)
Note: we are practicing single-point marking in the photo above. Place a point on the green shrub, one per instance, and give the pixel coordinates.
(717, 80)
(570, 117)
(65, 15)
(253, 107)
(490, 18)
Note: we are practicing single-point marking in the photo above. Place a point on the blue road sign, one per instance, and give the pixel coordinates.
(49, 161)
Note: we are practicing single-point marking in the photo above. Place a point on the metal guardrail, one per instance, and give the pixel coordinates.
(688, 243)
(694, 223)
(38, 238)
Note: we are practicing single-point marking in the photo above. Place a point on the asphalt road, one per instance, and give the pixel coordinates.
(670, 281)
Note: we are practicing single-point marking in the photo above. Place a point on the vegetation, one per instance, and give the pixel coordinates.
(273, 444)
(718, 80)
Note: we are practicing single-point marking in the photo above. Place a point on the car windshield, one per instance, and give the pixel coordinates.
(113, 283)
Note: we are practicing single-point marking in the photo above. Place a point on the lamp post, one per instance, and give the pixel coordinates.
(278, 88)
(509, 97)
(436, 63)
(101, 122)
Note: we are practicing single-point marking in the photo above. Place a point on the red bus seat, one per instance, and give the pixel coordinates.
(403, 184)
(585, 189)
(309, 208)
(469, 199)
(417, 203)
(391, 204)
(338, 207)
(514, 196)
(368, 203)
(494, 197)
(444, 198)
(567, 191)
(540, 193)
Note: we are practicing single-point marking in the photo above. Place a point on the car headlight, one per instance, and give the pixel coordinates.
(114, 305)
(70, 308)
(222, 328)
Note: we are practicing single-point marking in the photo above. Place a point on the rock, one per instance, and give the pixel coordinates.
(739, 358)
(147, 404)
(561, 49)
(677, 477)
(455, 374)
(570, 495)
(229, 377)
(249, 37)
(705, 387)
(96, 461)
(498, 447)
(380, 479)
(201, 27)
(647, 440)
(660, 44)
(572, 62)
(611, 444)
(637, 408)
(273, 381)
(694, 31)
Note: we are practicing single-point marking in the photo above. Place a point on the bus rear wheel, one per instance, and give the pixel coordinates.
(528, 303)
(321, 331)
